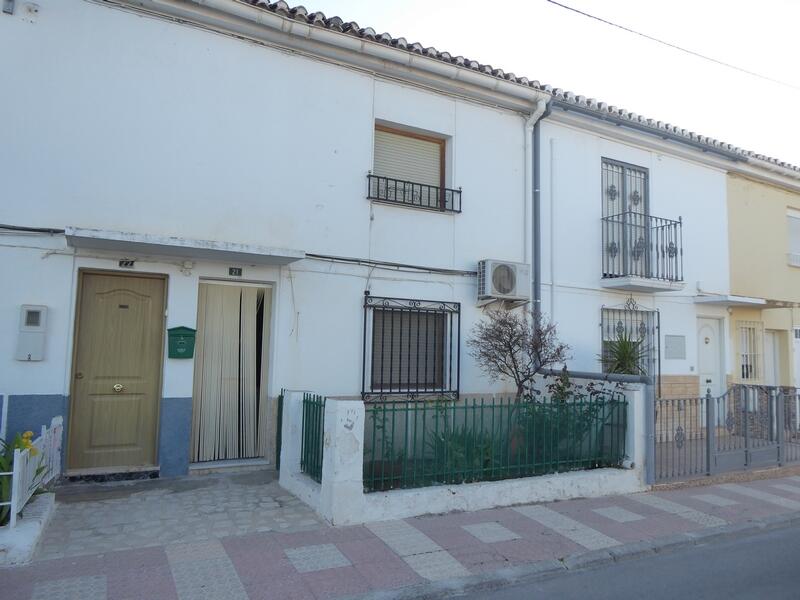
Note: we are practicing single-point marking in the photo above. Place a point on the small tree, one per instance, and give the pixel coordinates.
(516, 345)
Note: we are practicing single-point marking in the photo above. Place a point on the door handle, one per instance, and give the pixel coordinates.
(118, 387)
(708, 381)
(78, 375)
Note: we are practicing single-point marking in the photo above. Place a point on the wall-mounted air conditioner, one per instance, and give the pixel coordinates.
(503, 280)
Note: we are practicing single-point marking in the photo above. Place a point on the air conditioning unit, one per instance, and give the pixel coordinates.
(503, 280)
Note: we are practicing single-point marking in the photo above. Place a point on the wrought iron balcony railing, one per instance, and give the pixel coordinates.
(417, 195)
(638, 245)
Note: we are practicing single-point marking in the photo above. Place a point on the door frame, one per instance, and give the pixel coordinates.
(271, 288)
(82, 272)
(722, 386)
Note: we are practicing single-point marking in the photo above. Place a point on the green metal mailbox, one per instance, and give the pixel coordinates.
(180, 342)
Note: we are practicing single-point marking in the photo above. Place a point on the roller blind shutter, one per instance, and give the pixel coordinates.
(407, 158)
(793, 221)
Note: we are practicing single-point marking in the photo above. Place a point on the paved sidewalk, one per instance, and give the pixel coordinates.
(425, 555)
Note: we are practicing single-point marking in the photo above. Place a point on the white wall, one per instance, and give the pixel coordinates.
(571, 239)
(131, 123)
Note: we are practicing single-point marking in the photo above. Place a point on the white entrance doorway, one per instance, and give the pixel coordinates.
(232, 417)
(772, 358)
(709, 356)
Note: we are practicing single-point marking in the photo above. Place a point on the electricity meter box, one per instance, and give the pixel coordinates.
(32, 329)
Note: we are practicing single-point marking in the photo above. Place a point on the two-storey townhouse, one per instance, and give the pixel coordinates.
(312, 198)
(764, 229)
(634, 231)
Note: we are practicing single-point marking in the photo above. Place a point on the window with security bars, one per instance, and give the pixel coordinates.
(630, 340)
(411, 347)
(750, 350)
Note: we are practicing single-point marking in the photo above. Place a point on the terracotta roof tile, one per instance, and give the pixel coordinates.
(318, 19)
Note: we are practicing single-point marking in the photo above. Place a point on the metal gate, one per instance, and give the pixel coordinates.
(747, 427)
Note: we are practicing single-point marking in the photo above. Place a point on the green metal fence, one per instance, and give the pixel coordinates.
(418, 444)
(313, 430)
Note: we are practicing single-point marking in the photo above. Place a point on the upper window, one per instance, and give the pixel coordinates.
(793, 224)
(624, 190)
(410, 347)
(409, 169)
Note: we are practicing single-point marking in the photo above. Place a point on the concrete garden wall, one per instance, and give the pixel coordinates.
(341, 500)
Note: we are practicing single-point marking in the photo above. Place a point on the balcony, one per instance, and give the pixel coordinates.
(413, 195)
(642, 253)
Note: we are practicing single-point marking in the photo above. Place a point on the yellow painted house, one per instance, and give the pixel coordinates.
(764, 242)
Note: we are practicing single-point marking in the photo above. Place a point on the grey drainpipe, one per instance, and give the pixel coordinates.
(537, 210)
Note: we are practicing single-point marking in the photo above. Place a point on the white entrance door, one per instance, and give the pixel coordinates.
(709, 357)
(772, 358)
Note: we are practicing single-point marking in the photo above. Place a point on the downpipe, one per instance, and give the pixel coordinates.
(532, 176)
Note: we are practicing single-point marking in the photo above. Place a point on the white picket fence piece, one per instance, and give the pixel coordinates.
(32, 472)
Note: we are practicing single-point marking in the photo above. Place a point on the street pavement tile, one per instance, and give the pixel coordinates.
(436, 566)
(207, 579)
(792, 489)
(367, 551)
(336, 583)
(307, 559)
(490, 532)
(91, 587)
(135, 559)
(143, 583)
(261, 567)
(481, 558)
(527, 551)
(194, 551)
(388, 574)
(674, 508)
(618, 514)
(404, 539)
(752, 492)
(586, 536)
(279, 589)
(715, 500)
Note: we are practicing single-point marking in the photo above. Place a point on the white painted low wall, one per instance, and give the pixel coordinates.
(341, 500)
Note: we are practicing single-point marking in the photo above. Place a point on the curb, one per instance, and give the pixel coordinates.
(437, 590)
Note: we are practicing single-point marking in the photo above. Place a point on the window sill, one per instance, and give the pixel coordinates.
(427, 209)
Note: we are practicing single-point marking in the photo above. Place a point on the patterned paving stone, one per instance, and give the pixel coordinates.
(715, 500)
(792, 489)
(436, 566)
(203, 571)
(618, 514)
(491, 532)
(579, 533)
(308, 559)
(95, 518)
(761, 495)
(673, 508)
(92, 587)
(404, 539)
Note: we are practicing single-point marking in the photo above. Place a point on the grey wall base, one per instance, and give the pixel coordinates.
(31, 411)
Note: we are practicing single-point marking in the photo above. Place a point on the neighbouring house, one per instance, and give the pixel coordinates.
(764, 229)
(208, 202)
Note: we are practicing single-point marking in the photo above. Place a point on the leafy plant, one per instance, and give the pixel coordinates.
(21, 441)
(624, 355)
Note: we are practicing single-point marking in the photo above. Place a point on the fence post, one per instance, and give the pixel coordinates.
(16, 467)
(711, 430)
(650, 434)
(745, 419)
(780, 406)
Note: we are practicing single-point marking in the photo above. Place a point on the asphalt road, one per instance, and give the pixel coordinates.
(764, 566)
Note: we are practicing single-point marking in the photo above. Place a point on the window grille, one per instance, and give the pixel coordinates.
(751, 347)
(411, 348)
(638, 325)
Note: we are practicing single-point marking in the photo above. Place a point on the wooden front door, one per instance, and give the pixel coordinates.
(116, 372)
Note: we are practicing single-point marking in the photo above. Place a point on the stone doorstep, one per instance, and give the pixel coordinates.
(18, 545)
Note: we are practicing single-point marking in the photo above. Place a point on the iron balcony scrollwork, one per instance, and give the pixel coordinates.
(639, 245)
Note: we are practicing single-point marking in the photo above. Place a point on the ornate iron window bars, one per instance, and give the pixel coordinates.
(411, 348)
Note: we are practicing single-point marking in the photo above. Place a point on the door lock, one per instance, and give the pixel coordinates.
(708, 381)
(78, 375)
(118, 387)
